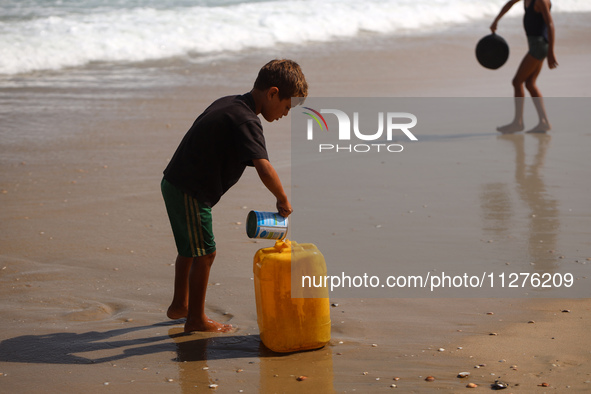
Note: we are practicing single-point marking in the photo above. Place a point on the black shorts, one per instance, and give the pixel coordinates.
(538, 47)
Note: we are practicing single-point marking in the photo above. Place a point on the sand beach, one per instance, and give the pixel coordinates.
(86, 250)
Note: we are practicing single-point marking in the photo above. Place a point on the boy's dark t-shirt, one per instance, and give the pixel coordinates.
(213, 154)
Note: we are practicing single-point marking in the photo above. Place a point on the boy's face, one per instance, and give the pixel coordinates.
(275, 108)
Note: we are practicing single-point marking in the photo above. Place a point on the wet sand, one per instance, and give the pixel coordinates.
(87, 252)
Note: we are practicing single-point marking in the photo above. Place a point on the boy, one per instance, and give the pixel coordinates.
(225, 139)
(539, 28)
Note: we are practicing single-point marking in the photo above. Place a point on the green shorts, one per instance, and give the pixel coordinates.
(538, 47)
(190, 220)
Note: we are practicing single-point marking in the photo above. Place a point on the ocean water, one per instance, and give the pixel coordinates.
(37, 35)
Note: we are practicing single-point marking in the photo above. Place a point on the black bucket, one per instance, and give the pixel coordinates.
(492, 51)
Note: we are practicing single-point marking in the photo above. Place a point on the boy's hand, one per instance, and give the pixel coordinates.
(284, 208)
(271, 180)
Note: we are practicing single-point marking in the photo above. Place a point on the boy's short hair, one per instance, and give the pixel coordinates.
(286, 75)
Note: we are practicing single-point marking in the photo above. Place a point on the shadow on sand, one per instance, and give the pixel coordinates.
(99, 347)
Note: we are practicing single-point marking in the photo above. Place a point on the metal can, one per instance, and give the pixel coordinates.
(268, 225)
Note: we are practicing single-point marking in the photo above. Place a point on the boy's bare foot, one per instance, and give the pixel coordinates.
(207, 325)
(176, 312)
(510, 128)
(541, 128)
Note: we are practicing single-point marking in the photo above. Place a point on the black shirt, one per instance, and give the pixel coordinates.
(213, 154)
(533, 22)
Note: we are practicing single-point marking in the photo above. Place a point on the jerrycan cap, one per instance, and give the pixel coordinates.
(285, 245)
(282, 245)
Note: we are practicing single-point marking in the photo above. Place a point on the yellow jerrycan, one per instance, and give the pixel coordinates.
(289, 324)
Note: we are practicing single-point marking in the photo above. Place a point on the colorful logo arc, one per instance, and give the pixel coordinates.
(316, 117)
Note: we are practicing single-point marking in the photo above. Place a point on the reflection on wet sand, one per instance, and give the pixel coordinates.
(243, 363)
(542, 224)
(543, 218)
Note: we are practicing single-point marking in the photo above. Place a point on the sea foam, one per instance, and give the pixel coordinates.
(54, 38)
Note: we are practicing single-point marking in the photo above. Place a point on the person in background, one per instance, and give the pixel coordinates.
(539, 29)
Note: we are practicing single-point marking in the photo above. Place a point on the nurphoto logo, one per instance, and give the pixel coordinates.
(395, 122)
